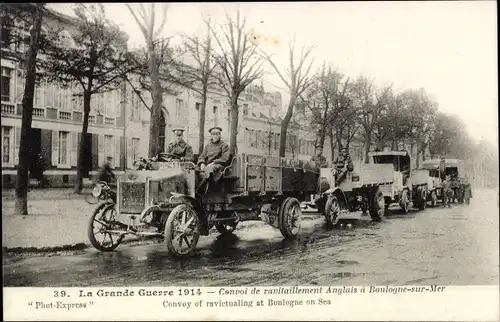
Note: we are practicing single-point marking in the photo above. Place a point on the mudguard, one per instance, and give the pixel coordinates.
(179, 198)
(337, 192)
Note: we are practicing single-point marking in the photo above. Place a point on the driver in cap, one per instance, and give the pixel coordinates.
(179, 147)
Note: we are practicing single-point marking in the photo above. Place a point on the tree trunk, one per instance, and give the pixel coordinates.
(284, 126)
(21, 206)
(234, 126)
(154, 126)
(203, 107)
(368, 140)
(83, 142)
(332, 143)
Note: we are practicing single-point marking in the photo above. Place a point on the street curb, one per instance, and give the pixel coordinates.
(66, 248)
(18, 250)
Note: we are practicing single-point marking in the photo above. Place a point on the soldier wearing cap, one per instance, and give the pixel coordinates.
(343, 164)
(179, 147)
(215, 155)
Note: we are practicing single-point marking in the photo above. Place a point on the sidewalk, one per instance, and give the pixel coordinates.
(57, 221)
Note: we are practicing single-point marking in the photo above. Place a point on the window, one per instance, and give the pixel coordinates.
(39, 99)
(6, 145)
(179, 107)
(216, 123)
(277, 142)
(6, 76)
(6, 35)
(135, 101)
(49, 95)
(135, 148)
(19, 86)
(228, 119)
(108, 146)
(245, 109)
(63, 148)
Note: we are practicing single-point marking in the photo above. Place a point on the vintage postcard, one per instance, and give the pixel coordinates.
(250, 161)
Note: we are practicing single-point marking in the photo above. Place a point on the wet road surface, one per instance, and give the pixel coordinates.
(446, 246)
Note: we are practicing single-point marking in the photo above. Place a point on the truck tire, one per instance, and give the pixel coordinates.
(377, 205)
(290, 216)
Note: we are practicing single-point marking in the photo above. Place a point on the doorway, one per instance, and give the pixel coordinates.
(35, 156)
(87, 155)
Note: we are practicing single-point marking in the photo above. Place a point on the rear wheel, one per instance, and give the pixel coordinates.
(290, 216)
(182, 230)
(102, 223)
(332, 210)
(378, 207)
(404, 203)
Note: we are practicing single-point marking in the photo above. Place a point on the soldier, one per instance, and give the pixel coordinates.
(343, 163)
(179, 148)
(214, 157)
(447, 191)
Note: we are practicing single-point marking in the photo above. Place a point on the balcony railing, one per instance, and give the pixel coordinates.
(8, 108)
(65, 115)
(39, 112)
(91, 118)
(109, 121)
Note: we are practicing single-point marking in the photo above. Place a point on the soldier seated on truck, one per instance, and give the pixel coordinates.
(179, 148)
(213, 159)
(343, 164)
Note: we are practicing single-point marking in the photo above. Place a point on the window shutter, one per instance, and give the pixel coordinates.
(17, 144)
(100, 149)
(130, 159)
(74, 148)
(55, 148)
(116, 157)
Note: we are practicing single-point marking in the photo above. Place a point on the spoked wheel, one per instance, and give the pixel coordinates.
(93, 196)
(226, 228)
(102, 223)
(182, 230)
(404, 203)
(332, 211)
(378, 207)
(290, 217)
(434, 199)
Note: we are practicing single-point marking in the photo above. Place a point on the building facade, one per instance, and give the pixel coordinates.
(119, 120)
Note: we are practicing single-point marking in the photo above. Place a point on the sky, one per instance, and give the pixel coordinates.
(448, 48)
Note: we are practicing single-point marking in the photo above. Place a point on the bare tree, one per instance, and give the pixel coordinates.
(96, 63)
(237, 65)
(32, 14)
(200, 78)
(151, 32)
(370, 104)
(297, 81)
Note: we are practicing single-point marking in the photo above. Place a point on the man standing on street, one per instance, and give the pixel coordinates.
(179, 148)
(214, 157)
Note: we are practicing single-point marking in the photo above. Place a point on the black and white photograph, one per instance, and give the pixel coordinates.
(264, 144)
